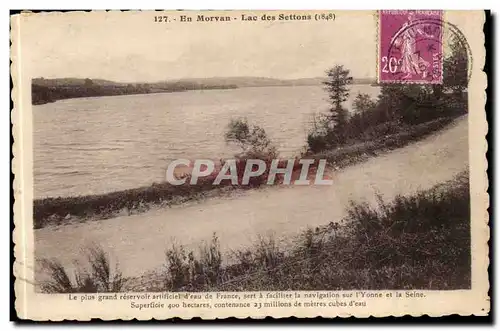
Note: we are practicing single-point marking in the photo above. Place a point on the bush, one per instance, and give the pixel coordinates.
(384, 129)
(322, 135)
(252, 139)
(432, 225)
(347, 155)
(190, 272)
(316, 143)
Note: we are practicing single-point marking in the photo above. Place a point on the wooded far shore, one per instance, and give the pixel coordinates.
(50, 90)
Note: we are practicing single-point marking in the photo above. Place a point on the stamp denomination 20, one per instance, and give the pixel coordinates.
(410, 47)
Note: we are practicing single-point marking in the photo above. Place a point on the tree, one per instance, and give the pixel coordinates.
(336, 85)
(88, 82)
(363, 106)
(252, 139)
(320, 136)
(455, 67)
(399, 101)
(363, 103)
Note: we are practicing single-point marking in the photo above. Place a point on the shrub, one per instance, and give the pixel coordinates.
(359, 151)
(252, 139)
(316, 143)
(322, 135)
(190, 272)
(384, 129)
(430, 228)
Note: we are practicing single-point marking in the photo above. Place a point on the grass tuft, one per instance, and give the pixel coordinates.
(97, 277)
(190, 271)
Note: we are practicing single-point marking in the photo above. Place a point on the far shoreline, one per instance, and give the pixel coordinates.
(50, 90)
(125, 95)
(183, 91)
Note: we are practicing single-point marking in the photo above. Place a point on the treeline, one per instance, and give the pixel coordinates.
(43, 92)
(398, 107)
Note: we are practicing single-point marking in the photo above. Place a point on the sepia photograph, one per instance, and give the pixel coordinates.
(242, 153)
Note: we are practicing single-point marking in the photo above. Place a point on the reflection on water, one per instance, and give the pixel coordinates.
(96, 145)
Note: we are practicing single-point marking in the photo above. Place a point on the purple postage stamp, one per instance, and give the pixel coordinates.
(410, 46)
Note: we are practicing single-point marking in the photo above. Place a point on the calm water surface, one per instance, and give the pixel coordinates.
(96, 145)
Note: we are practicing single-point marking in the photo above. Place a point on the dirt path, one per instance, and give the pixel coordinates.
(139, 241)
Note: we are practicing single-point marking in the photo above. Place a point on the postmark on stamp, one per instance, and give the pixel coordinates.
(410, 46)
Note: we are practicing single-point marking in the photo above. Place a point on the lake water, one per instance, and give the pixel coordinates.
(96, 145)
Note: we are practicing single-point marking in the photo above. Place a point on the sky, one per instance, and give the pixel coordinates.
(131, 47)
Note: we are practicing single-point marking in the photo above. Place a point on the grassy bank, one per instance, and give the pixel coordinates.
(412, 242)
(415, 242)
(358, 152)
(59, 210)
(64, 209)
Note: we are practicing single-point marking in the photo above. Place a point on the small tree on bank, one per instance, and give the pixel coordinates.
(363, 103)
(337, 86)
(363, 107)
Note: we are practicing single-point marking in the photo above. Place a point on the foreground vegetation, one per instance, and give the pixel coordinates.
(420, 241)
(97, 276)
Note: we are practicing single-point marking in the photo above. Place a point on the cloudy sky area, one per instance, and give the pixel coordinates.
(132, 48)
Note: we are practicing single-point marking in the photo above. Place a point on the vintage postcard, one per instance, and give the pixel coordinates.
(220, 164)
